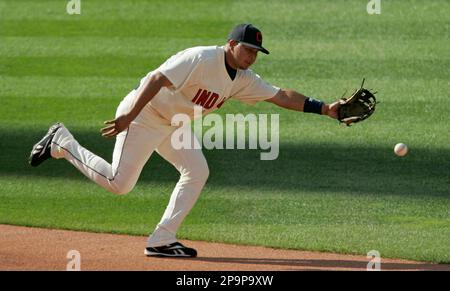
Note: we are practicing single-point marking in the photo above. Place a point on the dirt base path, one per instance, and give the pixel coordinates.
(23, 248)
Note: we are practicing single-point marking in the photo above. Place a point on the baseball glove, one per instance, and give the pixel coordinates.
(359, 106)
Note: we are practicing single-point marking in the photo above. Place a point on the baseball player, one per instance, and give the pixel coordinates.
(199, 76)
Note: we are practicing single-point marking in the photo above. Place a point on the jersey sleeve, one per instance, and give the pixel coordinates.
(253, 89)
(180, 67)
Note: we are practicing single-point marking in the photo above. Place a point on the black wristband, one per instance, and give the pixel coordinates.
(312, 105)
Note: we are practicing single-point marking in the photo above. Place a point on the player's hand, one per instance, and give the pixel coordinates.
(331, 109)
(116, 126)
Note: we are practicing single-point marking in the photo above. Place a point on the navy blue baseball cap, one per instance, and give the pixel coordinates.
(248, 35)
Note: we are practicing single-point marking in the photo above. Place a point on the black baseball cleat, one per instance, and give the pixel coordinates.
(175, 249)
(41, 150)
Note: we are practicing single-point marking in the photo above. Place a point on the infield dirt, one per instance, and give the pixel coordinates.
(24, 248)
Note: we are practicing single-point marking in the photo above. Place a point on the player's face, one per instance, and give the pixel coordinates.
(245, 56)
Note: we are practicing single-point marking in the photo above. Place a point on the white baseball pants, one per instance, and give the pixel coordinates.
(133, 147)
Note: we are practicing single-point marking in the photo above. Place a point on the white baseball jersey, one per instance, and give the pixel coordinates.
(199, 77)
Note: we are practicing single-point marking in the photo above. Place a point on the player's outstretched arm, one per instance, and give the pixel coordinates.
(293, 100)
(145, 94)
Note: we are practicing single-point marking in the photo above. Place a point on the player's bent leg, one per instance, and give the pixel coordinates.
(132, 150)
(92, 166)
(194, 173)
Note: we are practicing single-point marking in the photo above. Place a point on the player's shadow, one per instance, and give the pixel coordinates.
(321, 264)
(302, 167)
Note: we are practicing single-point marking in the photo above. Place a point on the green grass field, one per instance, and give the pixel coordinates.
(332, 188)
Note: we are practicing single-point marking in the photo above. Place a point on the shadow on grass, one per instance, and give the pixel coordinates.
(303, 167)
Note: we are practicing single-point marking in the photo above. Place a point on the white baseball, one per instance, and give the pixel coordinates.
(401, 149)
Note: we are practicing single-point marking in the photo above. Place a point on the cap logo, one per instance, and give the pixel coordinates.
(259, 36)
